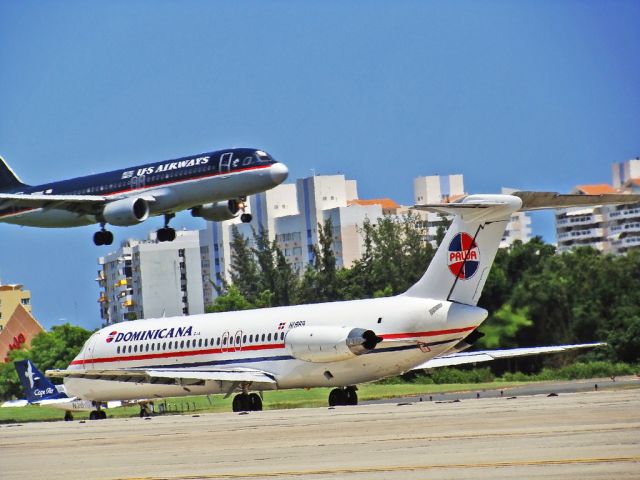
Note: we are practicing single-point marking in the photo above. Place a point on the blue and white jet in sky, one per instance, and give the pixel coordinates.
(212, 185)
(337, 344)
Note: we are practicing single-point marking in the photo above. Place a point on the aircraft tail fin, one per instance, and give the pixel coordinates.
(8, 178)
(36, 386)
(461, 265)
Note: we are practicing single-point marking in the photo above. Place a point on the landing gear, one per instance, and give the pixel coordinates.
(145, 411)
(166, 234)
(103, 237)
(68, 417)
(242, 205)
(98, 415)
(247, 402)
(343, 396)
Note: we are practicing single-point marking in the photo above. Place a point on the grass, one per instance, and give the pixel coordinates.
(282, 399)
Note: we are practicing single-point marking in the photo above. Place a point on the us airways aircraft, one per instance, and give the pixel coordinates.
(212, 185)
(338, 344)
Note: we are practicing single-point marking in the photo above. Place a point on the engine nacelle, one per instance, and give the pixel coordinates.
(217, 212)
(126, 211)
(329, 344)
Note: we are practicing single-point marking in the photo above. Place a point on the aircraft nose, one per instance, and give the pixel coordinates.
(279, 173)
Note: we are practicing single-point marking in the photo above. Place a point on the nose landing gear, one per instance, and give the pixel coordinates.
(242, 205)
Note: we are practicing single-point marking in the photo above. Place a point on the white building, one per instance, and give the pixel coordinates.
(610, 229)
(150, 279)
(518, 228)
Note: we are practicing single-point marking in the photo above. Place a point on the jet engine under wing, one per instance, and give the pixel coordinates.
(87, 204)
(172, 376)
(489, 355)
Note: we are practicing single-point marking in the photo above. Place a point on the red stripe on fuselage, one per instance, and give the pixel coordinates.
(147, 356)
(389, 336)
(186, 353)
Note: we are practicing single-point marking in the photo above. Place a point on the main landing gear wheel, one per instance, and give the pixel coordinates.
(343, 396)
(246, 218)
(144, 411)
(166, 234)
(98, 415)
(68, 417)
(247, 402)
(103, 237)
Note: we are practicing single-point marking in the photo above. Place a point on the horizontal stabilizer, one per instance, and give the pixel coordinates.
(543, 200)
(489, 355)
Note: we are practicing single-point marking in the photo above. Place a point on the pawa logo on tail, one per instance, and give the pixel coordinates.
(464, 256)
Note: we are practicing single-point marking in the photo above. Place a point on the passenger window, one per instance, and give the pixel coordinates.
(238, 340)
(269, 338)
(182, 344)
(263, 335)
(200, 343)
(188, 343)
(218, 341)
(146, 348)
(224, 341)
(129, 348)
(118, 349)
(244, 339)
(282, 336)
(135, 348)
(164, 346)
(206, 342)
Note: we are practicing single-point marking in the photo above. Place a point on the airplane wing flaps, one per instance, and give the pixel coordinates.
(463, 358)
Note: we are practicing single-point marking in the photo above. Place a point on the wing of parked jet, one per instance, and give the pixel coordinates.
(462, 358)
(256, 378)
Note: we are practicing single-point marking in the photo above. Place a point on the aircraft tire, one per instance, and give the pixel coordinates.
(92, 415)
(108, 237)
(68, 417)
(255, 402)
(102, 415)
(171, 234)
(246, 218)
(351, 396)
(337, 397)
(98, 238)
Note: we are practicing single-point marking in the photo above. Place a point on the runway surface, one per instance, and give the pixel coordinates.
(578, 435)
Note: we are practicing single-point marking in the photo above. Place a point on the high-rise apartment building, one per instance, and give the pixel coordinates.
(608, 228)
(150, 279)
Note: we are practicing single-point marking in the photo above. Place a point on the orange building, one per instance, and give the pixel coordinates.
(18, 332)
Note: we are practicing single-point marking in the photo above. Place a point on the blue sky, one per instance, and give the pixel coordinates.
(537, 95)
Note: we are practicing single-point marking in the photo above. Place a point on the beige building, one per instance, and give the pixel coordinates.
(10, 297)
(18, 332)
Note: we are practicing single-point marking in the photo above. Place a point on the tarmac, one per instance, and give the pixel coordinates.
(584, 435)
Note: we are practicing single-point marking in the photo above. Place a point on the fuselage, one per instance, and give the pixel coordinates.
(413, 331)
(173, 185)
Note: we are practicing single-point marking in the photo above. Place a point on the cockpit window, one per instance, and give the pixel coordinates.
(263, 157)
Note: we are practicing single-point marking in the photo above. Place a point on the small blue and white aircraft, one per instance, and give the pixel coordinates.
(40, 391)
(212, 185)
(337, 344)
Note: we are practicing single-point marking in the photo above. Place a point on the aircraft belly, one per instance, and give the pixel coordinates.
(362, 369)
(50, 219)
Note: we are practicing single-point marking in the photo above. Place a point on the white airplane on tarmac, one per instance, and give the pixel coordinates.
(337, 344)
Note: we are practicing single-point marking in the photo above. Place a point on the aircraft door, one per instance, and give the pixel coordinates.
(224, 342)
(88, 351)
(237, 344)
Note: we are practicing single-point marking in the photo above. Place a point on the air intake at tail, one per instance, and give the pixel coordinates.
(461, 265)
(8, 179)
